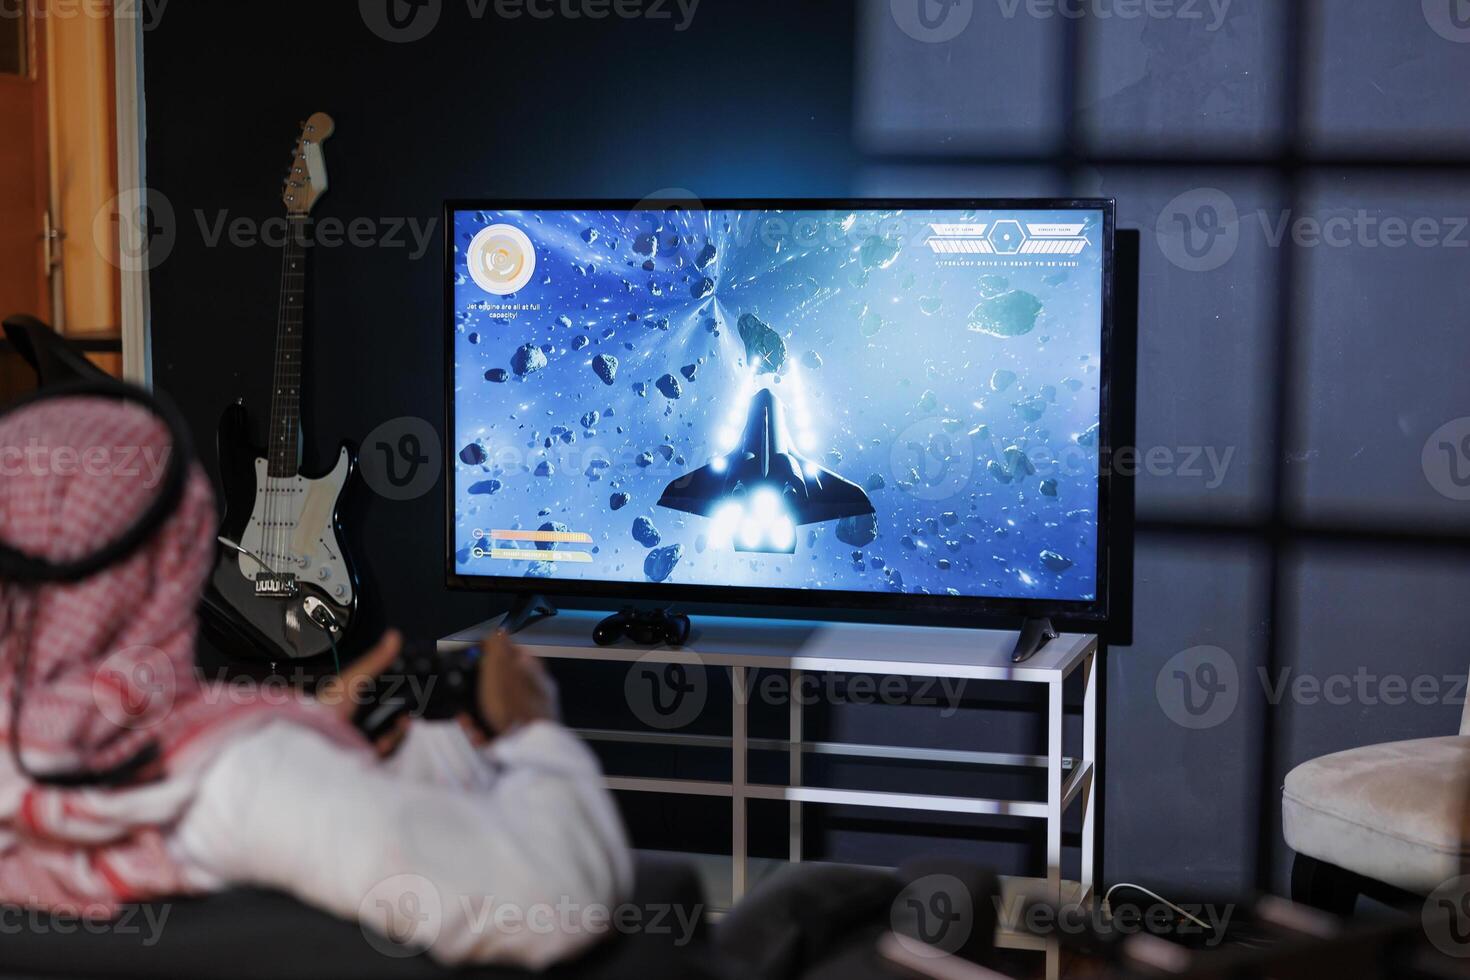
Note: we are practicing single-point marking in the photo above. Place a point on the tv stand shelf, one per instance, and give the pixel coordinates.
(799, 648)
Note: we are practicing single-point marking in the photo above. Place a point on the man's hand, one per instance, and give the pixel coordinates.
(514, 688)
(346, 692)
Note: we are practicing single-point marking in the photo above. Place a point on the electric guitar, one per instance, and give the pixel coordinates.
(283, 581)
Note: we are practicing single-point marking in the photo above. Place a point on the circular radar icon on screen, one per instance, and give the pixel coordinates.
(502, 260)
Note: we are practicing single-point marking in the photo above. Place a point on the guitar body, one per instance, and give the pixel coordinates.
(307, 598)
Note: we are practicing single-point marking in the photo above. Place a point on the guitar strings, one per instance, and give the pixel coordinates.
(272, 505)
(292, 319)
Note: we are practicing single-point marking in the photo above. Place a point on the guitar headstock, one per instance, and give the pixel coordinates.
(308, 179)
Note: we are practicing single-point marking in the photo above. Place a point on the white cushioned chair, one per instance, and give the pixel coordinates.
(1389, 821)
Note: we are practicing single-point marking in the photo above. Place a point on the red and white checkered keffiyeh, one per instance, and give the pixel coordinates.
(111, 659)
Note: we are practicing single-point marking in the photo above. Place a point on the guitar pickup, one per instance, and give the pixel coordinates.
(275, 585)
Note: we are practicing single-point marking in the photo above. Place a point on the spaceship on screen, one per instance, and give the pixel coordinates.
(758, 494)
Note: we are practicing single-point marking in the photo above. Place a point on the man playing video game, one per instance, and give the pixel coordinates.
(426, 838)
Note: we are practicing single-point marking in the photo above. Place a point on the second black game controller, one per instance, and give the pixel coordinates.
(647, 628)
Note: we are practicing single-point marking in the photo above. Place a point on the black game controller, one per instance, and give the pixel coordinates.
(423, 683)
(650, 628)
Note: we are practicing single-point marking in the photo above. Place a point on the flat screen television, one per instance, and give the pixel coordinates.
(867, 405)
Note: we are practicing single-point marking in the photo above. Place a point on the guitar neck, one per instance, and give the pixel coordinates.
(285, 428)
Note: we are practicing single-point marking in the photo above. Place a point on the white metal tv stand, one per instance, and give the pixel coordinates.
(743, 646)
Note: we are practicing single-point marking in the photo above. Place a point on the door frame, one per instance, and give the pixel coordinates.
(137, 345)
(31, 87)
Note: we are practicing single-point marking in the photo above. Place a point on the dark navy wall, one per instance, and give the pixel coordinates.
(1301, 515)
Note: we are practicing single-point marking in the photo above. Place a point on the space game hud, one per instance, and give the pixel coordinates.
(854, 400)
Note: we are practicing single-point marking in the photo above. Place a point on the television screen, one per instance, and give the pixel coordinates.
(851, 403)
